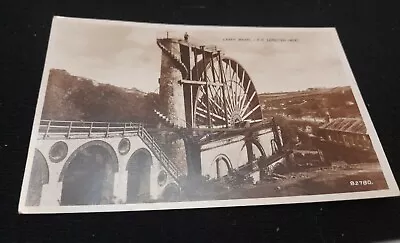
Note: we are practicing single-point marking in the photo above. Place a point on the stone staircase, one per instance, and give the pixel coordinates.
(166, 121)
(180, 65)
(171, 168)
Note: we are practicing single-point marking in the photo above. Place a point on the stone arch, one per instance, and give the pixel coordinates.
(88, 175)
(225, 159)
(139, 169)
(39, 177)
(100, 143)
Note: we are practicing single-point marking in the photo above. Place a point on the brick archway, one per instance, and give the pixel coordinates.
(217, 163)
(88, 175)
(139, 168)
(100, 143)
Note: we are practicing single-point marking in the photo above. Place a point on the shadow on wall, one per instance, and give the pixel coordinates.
(139, 166)
(89, 177)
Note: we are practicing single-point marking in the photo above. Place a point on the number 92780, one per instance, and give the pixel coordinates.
(361, 183)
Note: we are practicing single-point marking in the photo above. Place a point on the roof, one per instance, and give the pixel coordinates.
(352, 125)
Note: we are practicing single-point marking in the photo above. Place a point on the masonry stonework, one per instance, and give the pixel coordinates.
(172, 101)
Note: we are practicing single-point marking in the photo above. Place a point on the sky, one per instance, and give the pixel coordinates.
(126, 55)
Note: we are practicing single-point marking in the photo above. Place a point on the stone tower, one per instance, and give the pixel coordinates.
(172, 98)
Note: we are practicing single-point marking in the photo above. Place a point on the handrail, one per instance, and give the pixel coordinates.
(71, 128)
(47, 129)
(149, 140)
(108, 129)
(90, 130)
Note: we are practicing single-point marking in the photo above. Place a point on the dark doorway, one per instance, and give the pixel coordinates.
(223, 165)
(139, 166)
(89, 177)
(39, 177)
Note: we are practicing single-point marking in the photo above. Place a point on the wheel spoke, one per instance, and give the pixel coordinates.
(232, 72)
(229, 106)
(227, 96)
(212, 114)
(204, 114)
(229, 100)
(248, 104)
(238, 91)
(237, 83)
(216, 73)
(214, 101)
(241, 81)
(204, 105)
(231, 96)
(233, 87)
(201, 115)
(226, 69)
(251, 112)
(210, 91)
(245, 94)
(219, 99)
(201, 103)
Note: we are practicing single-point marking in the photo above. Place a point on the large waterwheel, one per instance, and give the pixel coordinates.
(229, 97)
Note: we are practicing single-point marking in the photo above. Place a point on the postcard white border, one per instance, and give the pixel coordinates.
(390, 180)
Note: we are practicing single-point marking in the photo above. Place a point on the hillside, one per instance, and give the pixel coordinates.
(339, 102)
(71, 97)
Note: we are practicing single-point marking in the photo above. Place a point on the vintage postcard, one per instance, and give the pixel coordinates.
(136, 116)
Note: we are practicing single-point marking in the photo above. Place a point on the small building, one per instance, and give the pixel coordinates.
(345, 139)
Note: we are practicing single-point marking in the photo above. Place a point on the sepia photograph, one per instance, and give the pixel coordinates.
(138, 116)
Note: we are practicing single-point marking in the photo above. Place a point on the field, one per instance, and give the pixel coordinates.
(338, 178)
(338, 102)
